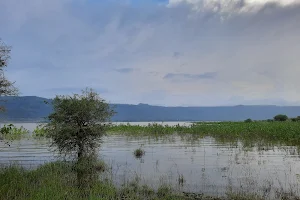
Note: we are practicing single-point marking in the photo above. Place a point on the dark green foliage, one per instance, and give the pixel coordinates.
(75, 127)
(78, 122)
(138, 153)
(248, 120)
(296, 119)
(6, 129)
(281, 118)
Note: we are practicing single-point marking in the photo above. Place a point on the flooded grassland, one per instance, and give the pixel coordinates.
(206, 159)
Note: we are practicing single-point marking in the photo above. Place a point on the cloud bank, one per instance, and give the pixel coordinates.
(176, 52)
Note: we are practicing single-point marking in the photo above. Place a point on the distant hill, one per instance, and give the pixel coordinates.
(33, 109)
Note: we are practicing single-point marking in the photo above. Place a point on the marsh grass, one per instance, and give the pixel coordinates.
(11, 132)
(39, 131)
(139, 153)
(181, 179)
(260, 131)
(58, 181)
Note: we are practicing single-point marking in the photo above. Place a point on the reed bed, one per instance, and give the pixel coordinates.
(279, 132)
(11, 132)
(55, 181)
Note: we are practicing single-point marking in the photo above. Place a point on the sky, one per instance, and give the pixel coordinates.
(159, 52)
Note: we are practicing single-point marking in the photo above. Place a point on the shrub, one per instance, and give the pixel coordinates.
(248, 120)
(281, 118)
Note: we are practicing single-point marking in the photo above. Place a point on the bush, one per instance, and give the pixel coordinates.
(138, 153)
(248, 120)
(296, 119)
(281, 118)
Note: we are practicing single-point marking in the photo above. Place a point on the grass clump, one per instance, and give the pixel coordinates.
(138, 153)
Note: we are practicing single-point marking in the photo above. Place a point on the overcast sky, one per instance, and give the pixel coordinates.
(160, 52)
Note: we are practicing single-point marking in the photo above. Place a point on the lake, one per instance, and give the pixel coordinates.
(207, 165)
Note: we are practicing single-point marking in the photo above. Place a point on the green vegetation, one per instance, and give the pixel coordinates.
(39, 131)
(75, 128)
(10, 132)
(281, 118)
(152, 128)
(77, 123)
(56, 181)
(248, 120)
(287, 132)
(138, 153)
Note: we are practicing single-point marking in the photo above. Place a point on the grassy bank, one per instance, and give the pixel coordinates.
(279, 132)
(58, 181)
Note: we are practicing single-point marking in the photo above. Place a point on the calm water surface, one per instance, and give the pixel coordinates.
(207, 165)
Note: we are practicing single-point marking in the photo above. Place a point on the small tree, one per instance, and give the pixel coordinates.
(281, 118)
(76, 126)
(78, 122)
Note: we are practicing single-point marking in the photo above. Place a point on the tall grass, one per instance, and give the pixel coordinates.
(55, 181)
(10, 132)
(58, 181)
(39, 131)
(279, 132)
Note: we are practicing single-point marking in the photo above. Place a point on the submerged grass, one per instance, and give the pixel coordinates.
(279, 132)
(58, 181)
(138, 153)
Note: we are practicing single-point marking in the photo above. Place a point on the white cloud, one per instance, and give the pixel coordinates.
(74, 44)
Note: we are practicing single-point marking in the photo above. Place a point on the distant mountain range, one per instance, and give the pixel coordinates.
(33, 109)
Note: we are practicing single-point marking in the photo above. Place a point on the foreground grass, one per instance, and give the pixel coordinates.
(58, 181)
(279, 132)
